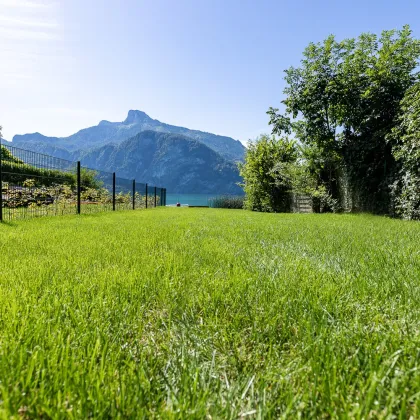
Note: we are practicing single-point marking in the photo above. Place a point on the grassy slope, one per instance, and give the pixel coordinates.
(175, 312)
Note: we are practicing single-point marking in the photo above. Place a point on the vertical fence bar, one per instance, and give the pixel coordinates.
(155, 196)
(79, 189)
(1, 182)
(164, 197)
(146, 196)
(113, 191)
(134, 194)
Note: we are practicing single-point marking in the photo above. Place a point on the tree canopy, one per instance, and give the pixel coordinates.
(345, 100)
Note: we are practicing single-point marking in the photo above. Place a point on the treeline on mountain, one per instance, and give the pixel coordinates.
(182, 160)
(349, 131)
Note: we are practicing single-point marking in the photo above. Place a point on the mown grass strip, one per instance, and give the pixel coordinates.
(196, 312)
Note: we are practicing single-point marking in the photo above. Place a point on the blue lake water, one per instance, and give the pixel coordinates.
(189, 199)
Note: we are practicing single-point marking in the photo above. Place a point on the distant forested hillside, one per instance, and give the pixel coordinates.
(178, 162)
(116, 132)
(180, 159)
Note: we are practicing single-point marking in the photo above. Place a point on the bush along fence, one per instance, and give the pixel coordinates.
(33, 184)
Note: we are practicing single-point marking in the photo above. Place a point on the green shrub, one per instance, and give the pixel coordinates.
(16, 171)
(6, 156)
(265, 189)
(227, 202)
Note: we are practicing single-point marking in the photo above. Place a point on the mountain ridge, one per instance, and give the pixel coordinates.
(182, 160)
(135, 122)
(180, 163)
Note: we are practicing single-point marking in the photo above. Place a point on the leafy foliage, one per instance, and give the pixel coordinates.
(344, 100)
(405, 139)
(6, 156)
(304, 179)
(16, 171)
(276, 170)
(227, 202)
(265, 188)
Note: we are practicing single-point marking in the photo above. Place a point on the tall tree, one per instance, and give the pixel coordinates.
(344, 99)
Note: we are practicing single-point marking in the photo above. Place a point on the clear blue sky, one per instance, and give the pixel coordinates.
(213, 65)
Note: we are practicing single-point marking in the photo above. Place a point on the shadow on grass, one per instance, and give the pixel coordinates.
(9, 224)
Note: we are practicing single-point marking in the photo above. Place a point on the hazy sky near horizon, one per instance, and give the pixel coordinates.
(212, 65)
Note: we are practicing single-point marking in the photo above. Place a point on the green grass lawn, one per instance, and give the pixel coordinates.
(211, 313)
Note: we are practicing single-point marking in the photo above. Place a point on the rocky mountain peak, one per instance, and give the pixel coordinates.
(135, 116)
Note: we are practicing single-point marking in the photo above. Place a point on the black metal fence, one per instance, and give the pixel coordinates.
(33, 184)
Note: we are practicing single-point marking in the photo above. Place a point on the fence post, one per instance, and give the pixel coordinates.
(155, 196)
(134, 194)
(79, 188)
(146, 196)
(1, 182)
(164, 197)
(113, 191)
